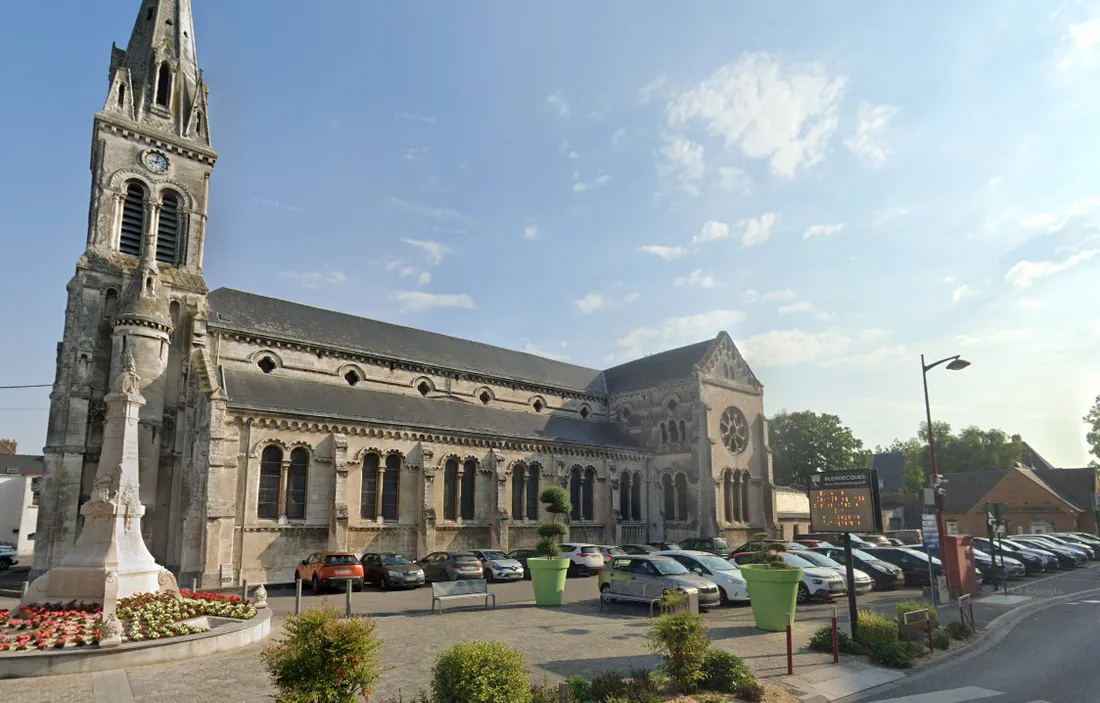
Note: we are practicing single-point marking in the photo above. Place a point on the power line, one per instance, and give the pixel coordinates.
(44, 385)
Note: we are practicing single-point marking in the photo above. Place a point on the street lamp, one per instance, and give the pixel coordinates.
(954, 363)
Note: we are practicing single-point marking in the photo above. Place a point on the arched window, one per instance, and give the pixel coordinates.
(450, 490)
(168, 228)
(664, 434)
(110, 302)
(636, 496)
(735, 495)
(624, 496)
(727, 496)
(519, 502)
(391, 484)
(533, 491)
(745, 497)
(133, 220)
(575, 492)
(164, 86)
(669, 492)
(683, 431)
(469, 489)
(271, 471)
(681, 498)
(368, 493)
(673, 435)
(587, 501)
(121, 94)
(199, 127)
(297, 480)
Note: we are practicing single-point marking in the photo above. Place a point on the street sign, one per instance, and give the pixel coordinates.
(929, 532)
(842, 501)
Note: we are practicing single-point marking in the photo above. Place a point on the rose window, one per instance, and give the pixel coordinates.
(735, 430)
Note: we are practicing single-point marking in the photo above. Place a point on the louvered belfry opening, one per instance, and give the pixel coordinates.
(133, 220)
(168, 229)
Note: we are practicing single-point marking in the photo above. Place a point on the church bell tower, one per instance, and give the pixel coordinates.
(138, 286)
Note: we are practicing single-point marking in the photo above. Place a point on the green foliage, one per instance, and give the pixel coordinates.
(1092, 419)
(556, 502)
(751, 692)
(972, 449)
(546, 693)
(910, 606)
(724, 672)
(941, 640)
(606, 687)
(765, 554)
(896, 655)
(643, 687)
(822, 641)
(480, 672)
(579, 689)
(804, 442)
(323, 658)
(682, 639)
(959, 630)
(421, 697)
(875, 629)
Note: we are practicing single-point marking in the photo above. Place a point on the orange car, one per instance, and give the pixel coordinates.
(323, 570)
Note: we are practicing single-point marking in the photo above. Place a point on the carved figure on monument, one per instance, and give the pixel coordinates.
(166, 582)
(128, 379)
(341, 511)
(259, 597)
(111, 631)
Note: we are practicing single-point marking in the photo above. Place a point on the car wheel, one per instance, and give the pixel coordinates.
(384, 583)
(723, 599)
(803, 593)
(315, 586)
(605, 587)
(4, 564)
(358, 588)
(572, 572)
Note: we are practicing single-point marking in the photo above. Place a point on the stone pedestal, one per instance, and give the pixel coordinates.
(110, 559)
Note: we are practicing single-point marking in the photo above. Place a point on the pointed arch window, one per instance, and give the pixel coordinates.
(681, 498)
(122, 95)
(636, 496)
(519, 502)
(271, 470)
(168, 228)
(673, 435)
(745, 496)
(727, 496)
(450, 489)
(164, 86)
(533, 491)
(669, 497)
(575, 492)
(624, 496)
(469, 489)
(664, 434)
(683, 431)
(587, 501)
(199, 126)
(391, 487)
(132, 227)
(297, 481)
(368, 492)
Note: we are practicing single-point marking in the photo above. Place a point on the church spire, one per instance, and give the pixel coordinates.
(155, 80)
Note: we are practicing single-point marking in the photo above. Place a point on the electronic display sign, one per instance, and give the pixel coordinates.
(842, 501)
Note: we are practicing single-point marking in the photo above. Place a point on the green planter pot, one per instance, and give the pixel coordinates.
(773, 593)
(548, 579)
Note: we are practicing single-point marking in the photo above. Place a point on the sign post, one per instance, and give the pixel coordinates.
(843, 502)
(930, 535)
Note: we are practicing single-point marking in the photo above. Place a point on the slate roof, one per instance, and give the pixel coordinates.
(280, 319)
(964, 490)
(19, 464)
(258, 391)
(890, 466)
(1072, 485)
(655, 369)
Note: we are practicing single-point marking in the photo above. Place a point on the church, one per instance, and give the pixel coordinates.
(272, 429)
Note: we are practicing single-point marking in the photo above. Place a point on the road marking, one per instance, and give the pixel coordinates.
(954, 695)
(1004, 600)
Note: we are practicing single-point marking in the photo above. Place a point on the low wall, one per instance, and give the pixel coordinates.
(82, 660)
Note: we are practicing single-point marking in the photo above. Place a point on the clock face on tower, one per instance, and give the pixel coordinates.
(156, 161)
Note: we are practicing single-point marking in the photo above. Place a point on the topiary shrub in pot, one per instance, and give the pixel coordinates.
(773, 587)
(548, 574)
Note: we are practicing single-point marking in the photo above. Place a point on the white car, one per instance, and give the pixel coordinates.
(585, 559)
(864, 583)
(726, 575)
(499, 566)
(817, 581)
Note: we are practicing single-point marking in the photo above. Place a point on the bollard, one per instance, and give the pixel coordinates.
(244, 590)
(194, 585)
(347, 599)
(297, 596)
(563, 693)
(790, 648)
(26, 585)
(836, 639)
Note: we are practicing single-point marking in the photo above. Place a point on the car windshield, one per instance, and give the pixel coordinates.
(797, 562)
(493, 556)
(590, 550)
(860, 554)
(668, 567)
(714, 563)
(820, 560)
(464, 559)
(615, 552)
(340, 560)
(395, 560)
(919, 555)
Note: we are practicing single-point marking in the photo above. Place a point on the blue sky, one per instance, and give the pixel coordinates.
(841, 187)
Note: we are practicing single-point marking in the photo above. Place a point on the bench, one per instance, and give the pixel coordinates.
(454, 590)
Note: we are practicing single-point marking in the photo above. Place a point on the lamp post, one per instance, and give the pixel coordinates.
(954, 363)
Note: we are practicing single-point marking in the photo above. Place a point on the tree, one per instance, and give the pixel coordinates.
(973, 449)
(805, 442)
(1092, 419)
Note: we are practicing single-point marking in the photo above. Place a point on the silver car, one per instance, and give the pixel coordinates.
(499, 566)
(647, 578)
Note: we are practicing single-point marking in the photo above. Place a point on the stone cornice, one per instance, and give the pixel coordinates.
(162, 140)
(633, 396)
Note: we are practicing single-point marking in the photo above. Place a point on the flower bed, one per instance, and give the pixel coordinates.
(146, 616)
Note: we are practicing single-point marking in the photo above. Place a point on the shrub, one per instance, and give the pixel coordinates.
(421, 697)
(940, 640)
(682, 639)
(480, 672)
(875, 629)
(765, 555)
(607, 687)
(557, 503)
(751, 692)
(322, 658)
(822, 641)
(910, 606)
(959, 630)
(545, 693)
(579, 689)
(642, 687)
(893, 654)
(724, 672)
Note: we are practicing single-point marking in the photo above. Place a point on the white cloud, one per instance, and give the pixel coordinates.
(590, 303)
(712, 230)
(666, 253)
(962, 293)
(750, 296)
(618, 137)
(416, 154)
(786, 294)
(784, 114)
(1096, 327)
(433, 250)
(407, 271)
(801, 306)
(425, 278)
(539, 351)
(697, 279)
(791, 347)
(439, 213)
(866, 143)
(417, 301)
(573, 155)
(875, 334)
(315, 279)
(674, 332)
(1024, 273)
(948, 279)
(654, 89)
(631, 297)
(580, 187)
(1004, 336)
(734, 180)
(531, 232)
(824, 316)
(757, 231)
(877, 356)
(1055, 222)
(557, 101)
(884, 216)
(1083, 38)
(391, 265)
(601, 179)
(823, 230)
(682, 160)
(1030, 303)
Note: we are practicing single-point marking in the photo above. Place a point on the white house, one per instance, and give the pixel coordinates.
(20, 478)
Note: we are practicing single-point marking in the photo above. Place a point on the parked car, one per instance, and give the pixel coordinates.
(638, 549)
(451, 566)
(1079, 540)
(323, 570)
(864, 582)
(727, 576)
(651, 576)
(521, 556)
(1069, 544)
(498, 566)
(584, 559)
(1052, 560)
(1085, 536)
(883, 573)
(837, 540)
(813, 543)
(609, 551)
(913, 563)
(717, 546)
(391, 570)
(662, 546)
(817, 582)
(1034, 562)
(776, 545)
(8, 557)
(1067, 558)
(877, 540)
(986, 563)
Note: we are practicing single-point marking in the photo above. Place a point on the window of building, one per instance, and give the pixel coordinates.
(271, 471)
(683, 431)
(168, 229)
(469, 489)
(681, 498)
(636, 496)
(585, 412)
(391, 483)
(132, 228)
(164, 86)
(664, 434)
(351, 377)
(424, 388)
(669, 492)
(519, 477)
(110, 302)
(533, 491)
(368, 489)
(538, 405)
(673, 435)
(450, 490)
(36, 488)
(587, 501)
(727, 495)
(121, 94)
(297, 480)
(575, 492)
(485, 398)
(266, 364)
(745, 496)
(624, 496)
